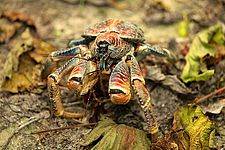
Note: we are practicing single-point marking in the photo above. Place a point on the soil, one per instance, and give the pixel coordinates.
(59, 21)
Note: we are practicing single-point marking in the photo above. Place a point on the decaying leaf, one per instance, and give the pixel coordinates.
(22, 69)
(18, 16)
(7, 30)
(196, 68)
(191, 130)
(41, 49)
(154, 73)
(112, 136)
(194, 128)
(215, 108)
(11, 22)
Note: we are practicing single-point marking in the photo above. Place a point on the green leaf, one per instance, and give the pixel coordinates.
(195, 68)
(104, 125)
(112, 136)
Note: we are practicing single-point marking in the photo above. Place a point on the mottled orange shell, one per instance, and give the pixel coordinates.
(125, 30)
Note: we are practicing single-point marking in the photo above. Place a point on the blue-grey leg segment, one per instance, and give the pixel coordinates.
(73, 43)
(65, 54)
(154, 50)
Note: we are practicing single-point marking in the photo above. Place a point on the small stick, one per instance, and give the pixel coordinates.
(68, 127)
(201, 99)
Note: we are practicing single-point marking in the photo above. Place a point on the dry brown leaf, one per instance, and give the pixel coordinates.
(18, 16)
(41, 50)
(215, 108)
(7, 30)
(22, 70)
(154, 73)
(23, 66)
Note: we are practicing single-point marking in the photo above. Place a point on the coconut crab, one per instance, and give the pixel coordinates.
(108, 49)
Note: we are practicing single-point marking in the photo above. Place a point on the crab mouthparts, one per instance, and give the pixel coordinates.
(102, 50)
(103, 47)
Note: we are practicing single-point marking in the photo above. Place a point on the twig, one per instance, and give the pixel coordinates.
(73, 103)
(63, 128)
(201, 99)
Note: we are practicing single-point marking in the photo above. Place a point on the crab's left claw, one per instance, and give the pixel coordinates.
(119, 84)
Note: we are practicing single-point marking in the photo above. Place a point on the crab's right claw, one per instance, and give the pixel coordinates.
(83, 77)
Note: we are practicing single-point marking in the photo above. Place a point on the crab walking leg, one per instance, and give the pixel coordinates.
(65, 53)
(140, 90)
(50, 63)
(147, 49)
(119, 84)
(54, 90)
(145, 102)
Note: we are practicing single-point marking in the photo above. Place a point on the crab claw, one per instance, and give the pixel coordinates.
(83, 77)
(119, 84)
(75, 79)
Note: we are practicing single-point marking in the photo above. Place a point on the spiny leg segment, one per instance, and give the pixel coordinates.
(74, 49)
(138, 84)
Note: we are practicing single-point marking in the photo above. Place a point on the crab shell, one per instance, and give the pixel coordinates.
(127, 31)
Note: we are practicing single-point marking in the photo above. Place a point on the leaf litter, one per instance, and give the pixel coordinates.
(187, 132)
(25, 59)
